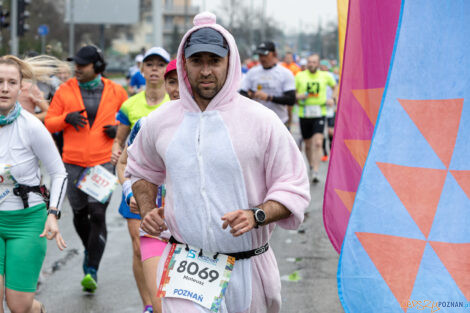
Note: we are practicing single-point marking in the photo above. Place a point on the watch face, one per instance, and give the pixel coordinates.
(260, 216)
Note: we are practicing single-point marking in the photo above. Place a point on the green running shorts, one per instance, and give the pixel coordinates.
(22, 251)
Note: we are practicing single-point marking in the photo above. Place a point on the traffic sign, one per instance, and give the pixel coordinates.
(43, 30)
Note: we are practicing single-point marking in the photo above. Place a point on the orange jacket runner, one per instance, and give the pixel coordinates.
(294, 68)
(88, 146)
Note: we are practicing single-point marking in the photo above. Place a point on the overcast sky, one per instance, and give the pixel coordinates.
(291, 14)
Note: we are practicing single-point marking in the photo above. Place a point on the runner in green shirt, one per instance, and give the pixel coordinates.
(311, 86)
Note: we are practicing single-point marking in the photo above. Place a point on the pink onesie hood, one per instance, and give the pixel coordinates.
(232, 82)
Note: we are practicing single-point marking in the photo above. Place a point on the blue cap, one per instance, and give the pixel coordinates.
(206, 40)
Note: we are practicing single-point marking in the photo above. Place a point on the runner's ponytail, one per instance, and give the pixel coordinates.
(38, 68)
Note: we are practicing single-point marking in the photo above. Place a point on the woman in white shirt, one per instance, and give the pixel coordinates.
(25, 221)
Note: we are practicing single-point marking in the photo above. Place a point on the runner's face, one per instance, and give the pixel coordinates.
(206, 74)
(171, 85)
(85, 73)
(267, 60)
(10, 85)
(153, 69)
(63, 74)
(288, 58)
(312, 63)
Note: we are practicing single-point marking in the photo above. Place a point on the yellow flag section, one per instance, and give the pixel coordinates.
(342, 22)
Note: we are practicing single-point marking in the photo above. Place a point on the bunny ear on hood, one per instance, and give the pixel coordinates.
(232, 82)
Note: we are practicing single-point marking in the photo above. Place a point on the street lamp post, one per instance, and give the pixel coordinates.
(157, 22)
(263, 26)
(71, 29)
(14, 27)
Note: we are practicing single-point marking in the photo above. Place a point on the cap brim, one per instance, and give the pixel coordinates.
(157, 54)
(193, 49)
(169, 72)
(262, 52)
(78, 60)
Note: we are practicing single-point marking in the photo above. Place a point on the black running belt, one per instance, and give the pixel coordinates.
(237, 255)
(23, 190)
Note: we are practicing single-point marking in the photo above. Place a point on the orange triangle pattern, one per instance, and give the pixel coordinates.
(397, 259)
(359, 150)
(463, 179)
(370, 100)
(419, 189)
(438, 121)
(456, 259)
(347, 197)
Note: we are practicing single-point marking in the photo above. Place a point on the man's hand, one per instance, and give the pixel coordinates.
(76, 119)
(115, 155)
(241, 221)
(153, 222)
(133, 206)
(119, 142)
(260, 95)
(330, 102)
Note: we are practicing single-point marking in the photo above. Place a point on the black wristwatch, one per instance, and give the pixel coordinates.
(260, 216)
(55, 212)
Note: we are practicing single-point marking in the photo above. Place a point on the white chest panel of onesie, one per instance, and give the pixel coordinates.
(207, 182)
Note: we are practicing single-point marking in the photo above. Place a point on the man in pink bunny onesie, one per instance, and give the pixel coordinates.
(221, 155)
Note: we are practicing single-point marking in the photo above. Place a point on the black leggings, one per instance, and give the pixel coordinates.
(90, 224)
(330, 140)
(89, 215)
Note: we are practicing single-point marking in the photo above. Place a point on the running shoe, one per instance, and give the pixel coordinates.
(90, 281)
(148, 309)
(324, 158)
(316, 178)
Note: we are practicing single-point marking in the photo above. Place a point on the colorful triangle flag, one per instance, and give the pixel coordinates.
(463, 179)
(371, 28)
(419, 189)
(456, 259)
(370, 100)
(396, 258)
(347, 197)
(400, 246)
(438, 121)
(359, 150)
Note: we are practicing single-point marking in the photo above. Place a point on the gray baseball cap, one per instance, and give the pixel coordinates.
(206, 40)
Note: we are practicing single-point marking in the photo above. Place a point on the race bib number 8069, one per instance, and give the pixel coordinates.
(201, 278)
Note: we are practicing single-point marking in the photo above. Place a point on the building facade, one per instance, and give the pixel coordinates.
(177, 18)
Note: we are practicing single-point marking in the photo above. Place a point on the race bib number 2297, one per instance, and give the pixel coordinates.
(199, 277)
(97, 182)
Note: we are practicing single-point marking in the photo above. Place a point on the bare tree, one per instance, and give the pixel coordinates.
(246, 25)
